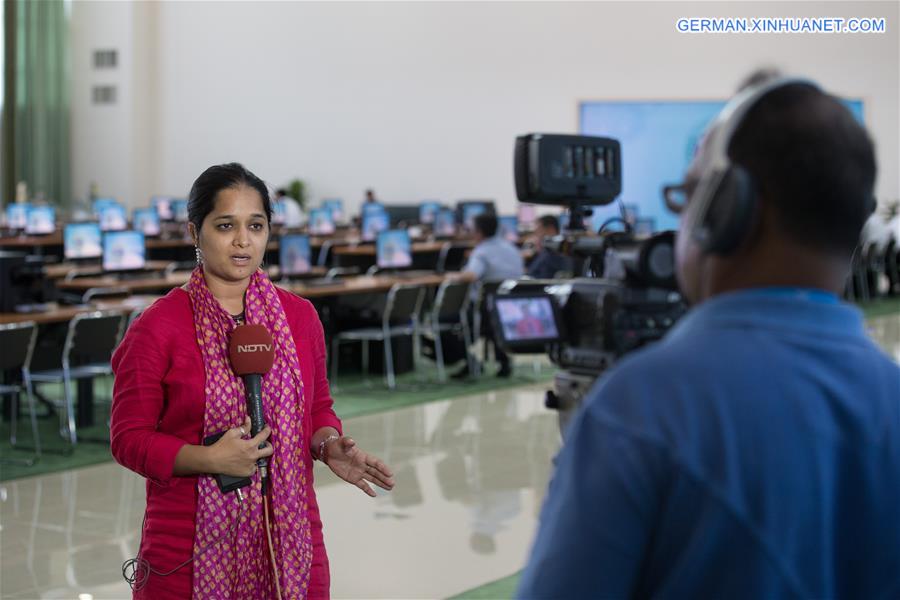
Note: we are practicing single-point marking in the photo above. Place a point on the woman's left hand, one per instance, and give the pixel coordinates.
(354, 466)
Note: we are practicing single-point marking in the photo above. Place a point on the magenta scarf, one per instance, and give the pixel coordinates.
(241, 568)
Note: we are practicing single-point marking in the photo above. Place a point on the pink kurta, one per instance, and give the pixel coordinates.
(158, 406)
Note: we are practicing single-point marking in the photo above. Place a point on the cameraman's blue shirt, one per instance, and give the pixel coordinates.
(753, 453)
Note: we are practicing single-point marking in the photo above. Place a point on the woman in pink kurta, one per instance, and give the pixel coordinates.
(174, 387)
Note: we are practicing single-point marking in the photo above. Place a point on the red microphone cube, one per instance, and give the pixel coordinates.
(251, 350)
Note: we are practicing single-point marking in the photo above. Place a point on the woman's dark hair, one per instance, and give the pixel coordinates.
(202, 199)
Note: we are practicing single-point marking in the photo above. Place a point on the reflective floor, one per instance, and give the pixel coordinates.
(470, 475)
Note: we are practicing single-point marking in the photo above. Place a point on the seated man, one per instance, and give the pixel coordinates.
(547, 263)
(493, 260)
(754, 452)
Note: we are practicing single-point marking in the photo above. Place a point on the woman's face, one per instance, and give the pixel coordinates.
(233, 236)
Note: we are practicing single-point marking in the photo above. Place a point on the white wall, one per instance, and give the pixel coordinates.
(423, 100)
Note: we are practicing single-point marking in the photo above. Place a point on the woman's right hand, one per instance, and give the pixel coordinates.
(235, 456)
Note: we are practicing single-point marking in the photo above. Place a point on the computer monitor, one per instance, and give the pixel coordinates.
(320, 222)
(428, 211)
(393, 249)
(467, 210)
(17, 215)
(112, 217)
(40, 220)
(163, 206)
(146, 220)
(373, 222)
(82, 240)
(445, 223)
(527, 214)
(371, 207)
(279, 212)
(336, 206)
(99, 203)
(509, 228)
(123, 251)
(294, 254)
(644, 225)
(180, 210)
(527, 320)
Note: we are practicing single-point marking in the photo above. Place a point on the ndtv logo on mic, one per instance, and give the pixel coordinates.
(254, 348)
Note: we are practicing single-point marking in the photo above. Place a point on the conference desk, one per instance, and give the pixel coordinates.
(61, 313)
(63, 270)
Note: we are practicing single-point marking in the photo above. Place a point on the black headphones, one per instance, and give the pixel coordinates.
(726, 195)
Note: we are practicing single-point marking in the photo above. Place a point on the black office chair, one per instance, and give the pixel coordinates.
(105, 293)
(400, 317)
(449, 313)
(179, 266)
(451, 257)
(18, 341)
(90, 341)
(892, 267)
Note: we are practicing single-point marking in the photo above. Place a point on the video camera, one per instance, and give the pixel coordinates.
(628, 296)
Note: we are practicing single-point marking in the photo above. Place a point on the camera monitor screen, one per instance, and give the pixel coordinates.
(336, 206)
(509, 228)
(393, 250)
(40, 220)
(112, 217)
(180, 210)
(123, 251)
(82, 240)
(17, 215)
(163, 206)
(146, 220)
(445, 223)
(373, 222)
(428, 211)
(320, 222)
(294, 254)
(527, 319)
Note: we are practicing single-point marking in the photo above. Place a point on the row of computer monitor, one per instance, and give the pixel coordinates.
(126, 250)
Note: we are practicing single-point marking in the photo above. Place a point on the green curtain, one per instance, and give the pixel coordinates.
(38, 70)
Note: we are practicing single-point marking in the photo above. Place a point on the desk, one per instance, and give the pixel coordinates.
(60, 271)
(367, 284)
(32, 241)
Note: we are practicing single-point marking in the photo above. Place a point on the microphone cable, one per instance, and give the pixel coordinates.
(136, 571)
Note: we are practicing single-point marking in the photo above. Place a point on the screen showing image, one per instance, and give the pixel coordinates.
(393, 249)
(320, 222)
(180, 210)
(123, 250)
(41, 220)
(82, 240)
(163, 206)
(374, 222)
(100, 203)
(336, 206)
(146, 220)
(509, 228)
(112, 218)
(279, 212)
(470, 211)
(17, 216)
(527, 214)
(445, 223)
(428, 211)
(294, 254)
(524, 319)
(372, 207)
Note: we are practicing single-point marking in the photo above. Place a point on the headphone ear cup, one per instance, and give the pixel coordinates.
(732, 212)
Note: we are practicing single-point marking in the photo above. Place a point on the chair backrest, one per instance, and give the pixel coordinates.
(341, 271)
(402, 303)
(452, 257)
(105, 292)
(17, 341)
(324, 252)
(452, 299)
(92, 337)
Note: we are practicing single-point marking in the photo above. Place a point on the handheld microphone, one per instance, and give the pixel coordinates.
(251, 350)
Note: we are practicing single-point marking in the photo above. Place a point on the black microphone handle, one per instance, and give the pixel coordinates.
(253, 387)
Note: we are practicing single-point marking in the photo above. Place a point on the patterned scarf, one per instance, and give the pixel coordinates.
(242, 569)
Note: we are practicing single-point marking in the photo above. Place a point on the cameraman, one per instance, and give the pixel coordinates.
(547, 263)
(755, 451)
